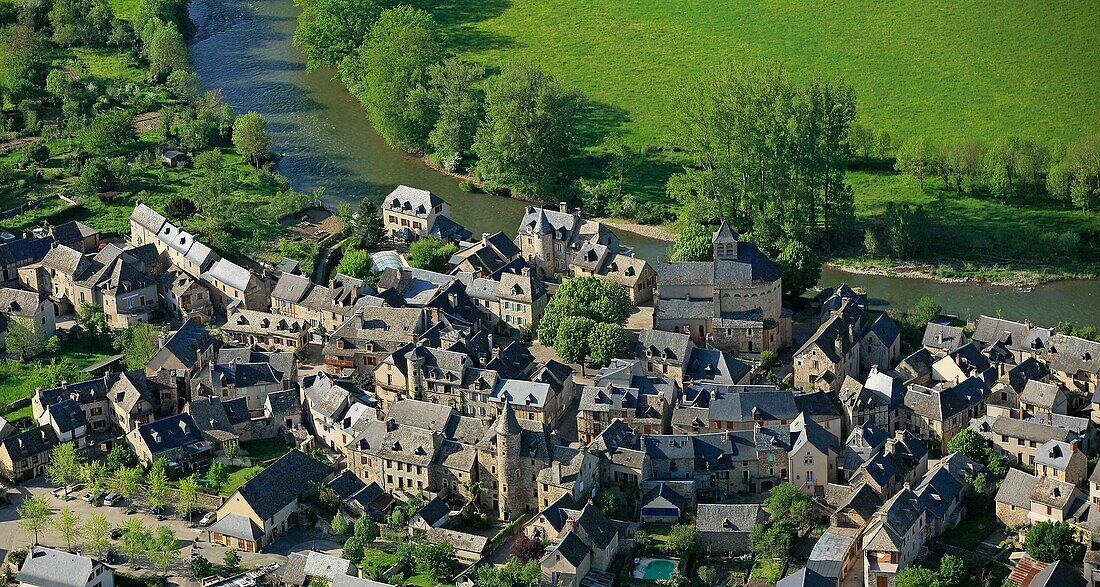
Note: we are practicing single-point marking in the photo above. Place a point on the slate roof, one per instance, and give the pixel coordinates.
(600, 530)
(1070, 354)
(885, 329)
(229, 273)
(24, 251)
(747, 406)
(1034, 431)
(1059, 574)
(942, 404)
(715, 366)
(943, 337)
(170, 433)
(806, 577)
(433, 511)
(1016, 489)
(413, 201)
(48, 567)
(828, 554)
(301, 566)
(572, 549)
(669, 346)
(719, 517)
(18, 302)
(663, 491)
(1053, 453)
(67, 415)
(187, 342)
(282, 482)
(148, 218)
(237, 526)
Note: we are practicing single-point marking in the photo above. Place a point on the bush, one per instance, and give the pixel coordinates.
(467, 185)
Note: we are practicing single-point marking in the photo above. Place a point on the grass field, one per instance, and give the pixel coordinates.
(933, 67)
(19, 380)
(265, 450)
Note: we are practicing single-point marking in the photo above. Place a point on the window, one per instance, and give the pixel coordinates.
(808, 460)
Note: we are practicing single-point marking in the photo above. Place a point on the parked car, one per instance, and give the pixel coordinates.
(208, 519)
(112, 499)
(88, 497)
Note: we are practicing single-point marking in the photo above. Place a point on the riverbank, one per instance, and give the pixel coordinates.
(995, 275)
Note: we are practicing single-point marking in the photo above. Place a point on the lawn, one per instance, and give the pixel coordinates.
(237, 477)
(970, 532)
(935, 67)
(19, 380)
(265, 450)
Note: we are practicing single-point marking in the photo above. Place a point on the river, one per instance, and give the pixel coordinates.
(244, 49)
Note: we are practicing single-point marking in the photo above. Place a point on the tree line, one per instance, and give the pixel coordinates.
(513, 130)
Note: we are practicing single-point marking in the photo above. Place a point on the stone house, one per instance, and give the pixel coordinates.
(18, 253)
(245, 373)
(326, 306)
(1043, 398)
(175, 438)
(484, 257)
(1063, 461)
(724, 528)
(549, 239)
(622, 391)
(373, 332)
(47, 567)
(186, 298)
(31, 309)
(1019, 440)
(511, 297)
(112, 279)
(412, 211)
(265, 330)
(76, 235)
(265, 506)
(1075, 362)
(940, 412)
(734, 303)
(599, 261)
(941, 338)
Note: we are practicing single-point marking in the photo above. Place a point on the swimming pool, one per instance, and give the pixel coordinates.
(654, 569)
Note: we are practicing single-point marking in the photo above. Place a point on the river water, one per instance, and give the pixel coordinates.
(244, 49)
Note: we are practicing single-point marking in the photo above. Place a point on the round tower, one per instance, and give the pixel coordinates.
(510, 476)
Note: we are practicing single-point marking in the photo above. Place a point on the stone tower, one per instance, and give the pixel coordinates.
(725, 243)
(510, 477)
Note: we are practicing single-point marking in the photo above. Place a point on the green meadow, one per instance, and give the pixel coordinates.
(934, 67)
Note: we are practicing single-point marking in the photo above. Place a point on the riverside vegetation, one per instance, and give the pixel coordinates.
(620, 124)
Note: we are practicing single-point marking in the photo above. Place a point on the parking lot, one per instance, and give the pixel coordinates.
(192, 538)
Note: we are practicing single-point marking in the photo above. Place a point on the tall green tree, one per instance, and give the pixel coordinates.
(330, 30)
(916, 157)
(97, 534)
(692, 244)
(108, 133)
(167, 52)
(24, 63)
(606, 342)
(188, 496)
(458, 103)
(389, 75)
(66, 465)
(125, 480)
(250, 137)
(164, 549)
(1049, 542)
(356, 263)
(139, 344)
(430, 253)
(24, 339)
(801, 268)
(68, 525)
(365, 226)
(529, 131)
(34, 515)
(157, 487)
(135, 537)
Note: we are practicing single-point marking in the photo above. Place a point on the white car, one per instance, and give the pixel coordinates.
(112, 499)
(208, 519)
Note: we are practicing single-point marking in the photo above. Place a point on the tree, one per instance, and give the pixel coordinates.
(526, 548)
(121, 456)
(217, 475)
(788, 503)
(768, 360)
(134, 538)
(571, 342)
(188, 496)
(24, 339)
(34, 515)
(366, 529)
(914, 576)
(1048, 542)
(230, 449)
(24, 63)
(606, 342)
(801, 268)
(952, 572)
(529, 131)
(512, 574)
(459, 109)
(435, 560)
(683, 540)
(184, 85)
(330, 30)
(250, 137)
(108, 133)
(156, 493)
(139, 343)
(769, 153)
(916, 157)
(125, 480)
(692, 244)
(389, 75)
(66, 465)
(180, 208)
(907, 229)
(164, 549)
(67, 524)
(201, 567)
(356, 263)
(231, 561)
(997, 464)
(365, 226)
(1076, 177)
(339, 524)
(926, 310)
(53, 344)
(353, 549)
(97, 534)
(167, 52)
(599, 300)
(430, 253)
(773, 540)
(93, 321)
(969, 443)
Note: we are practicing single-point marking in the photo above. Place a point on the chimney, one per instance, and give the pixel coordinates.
(435, 314)
(838, 344)
(852, 332)
(939, 337)
(485, 239)
(563, 207)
